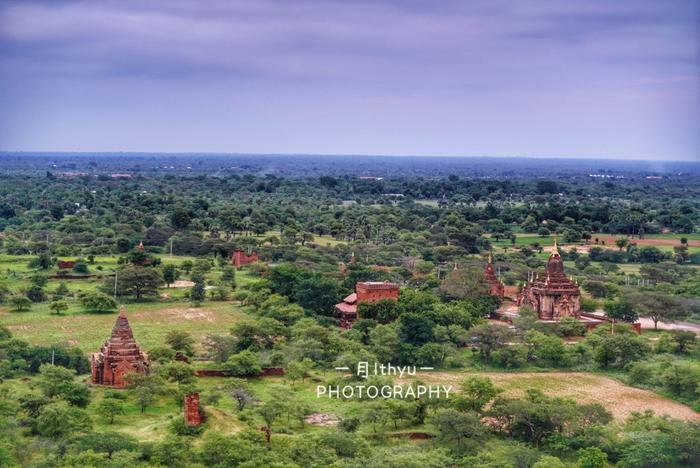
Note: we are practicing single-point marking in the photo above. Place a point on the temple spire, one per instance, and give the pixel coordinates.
(555, 249)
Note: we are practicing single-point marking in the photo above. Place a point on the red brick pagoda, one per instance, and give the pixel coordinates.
(496, 287)
(119, 356)
(370, 291)
(193, 416)
(554, 297)
(239, 258)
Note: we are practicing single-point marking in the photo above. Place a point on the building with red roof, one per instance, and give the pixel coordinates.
(367, 291)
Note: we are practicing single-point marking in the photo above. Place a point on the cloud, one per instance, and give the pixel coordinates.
(449, 73)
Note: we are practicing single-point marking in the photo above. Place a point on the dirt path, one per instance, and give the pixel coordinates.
(611, 241)
(620, 399)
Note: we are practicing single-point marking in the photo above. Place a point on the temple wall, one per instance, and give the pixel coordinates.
(368, 295)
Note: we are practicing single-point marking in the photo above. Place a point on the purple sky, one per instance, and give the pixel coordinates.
(617, 79)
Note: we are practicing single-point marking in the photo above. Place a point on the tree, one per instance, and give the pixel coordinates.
(161, 354)
(180, 219)
(243, 364)
(198, 293)
(657, 306)
(43, 262)
(298, 370)
(219, 347)
(95, 301)
(109, 408)
(621, 243)
(489, 338)
(180, 341)
(20, 303)
(179, 372)
(144, 388)
(620, 309)
(58, 307)
(383, 311)
(685, 339)
(58, 382)
(318, 294)
(376, 412)
(476, 392)
(600, 289)
(81, 267)
(57, 419)
(111, 443)
(592, 457)
(240, 392)
(136, 281)
(456, 429)
(464, 284)
(169, 274)
(415, 329)
(36, 293)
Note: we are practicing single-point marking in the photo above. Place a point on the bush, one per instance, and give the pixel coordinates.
(179, 427)
(243, 364)
(511, 357)
(96, 301)
(589, 305)
(569, 326)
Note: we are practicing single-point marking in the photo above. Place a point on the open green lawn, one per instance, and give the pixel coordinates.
(320, 240)
(151, 321)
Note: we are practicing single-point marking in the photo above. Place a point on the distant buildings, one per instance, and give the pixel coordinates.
(239, 258)
(370, 291)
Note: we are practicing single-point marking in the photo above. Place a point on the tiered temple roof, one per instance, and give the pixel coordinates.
(119, 356)
(555, 295)
(496, 287)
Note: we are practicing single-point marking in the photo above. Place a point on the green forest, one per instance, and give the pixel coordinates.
(78, 248)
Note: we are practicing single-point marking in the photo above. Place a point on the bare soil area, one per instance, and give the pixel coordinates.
(620, 399)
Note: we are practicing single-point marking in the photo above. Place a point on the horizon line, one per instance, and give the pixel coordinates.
(368, 155)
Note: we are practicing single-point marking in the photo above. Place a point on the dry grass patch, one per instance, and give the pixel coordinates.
(620, 399)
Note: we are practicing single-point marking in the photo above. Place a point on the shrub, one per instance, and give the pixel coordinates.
(96, 301)
(243, 364)
(179, 427)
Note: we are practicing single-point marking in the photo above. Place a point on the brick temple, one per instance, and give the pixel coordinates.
(119, 356)
(496, 287)
(555, 296)
(193, 416)
(369, 291)
(239, 258)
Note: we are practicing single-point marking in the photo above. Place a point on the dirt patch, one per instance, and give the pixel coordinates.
(186, 313)
(611, 240)
(620, 399)
(182, 284)
(322, 419)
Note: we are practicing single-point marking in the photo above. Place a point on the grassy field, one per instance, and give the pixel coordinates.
(320, 240)
(151, 321)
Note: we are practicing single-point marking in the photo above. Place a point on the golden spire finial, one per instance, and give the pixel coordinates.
(490, 258)
(555, 249)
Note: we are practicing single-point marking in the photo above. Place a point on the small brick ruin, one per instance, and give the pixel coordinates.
(65, 264)
(119, 356)
(193, 414)
(239, 258)
(369, 291)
